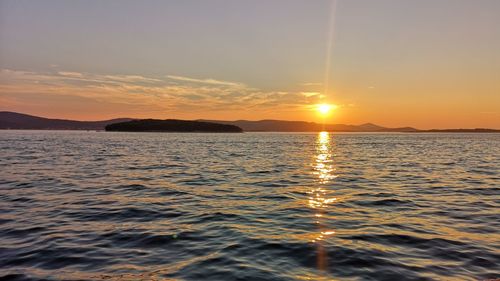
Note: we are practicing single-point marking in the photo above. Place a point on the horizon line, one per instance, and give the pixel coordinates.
(259, 120)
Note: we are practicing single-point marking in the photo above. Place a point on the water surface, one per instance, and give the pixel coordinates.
(252, 206)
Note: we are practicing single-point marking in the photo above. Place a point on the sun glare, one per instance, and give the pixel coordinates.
(324, 108)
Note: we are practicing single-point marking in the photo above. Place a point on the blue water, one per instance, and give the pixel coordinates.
(252, 206)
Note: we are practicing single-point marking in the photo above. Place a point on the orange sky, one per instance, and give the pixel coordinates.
(91, 97)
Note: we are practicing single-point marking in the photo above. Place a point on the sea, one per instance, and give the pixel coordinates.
(78, 205)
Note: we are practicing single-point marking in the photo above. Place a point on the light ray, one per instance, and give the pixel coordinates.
(329, 46)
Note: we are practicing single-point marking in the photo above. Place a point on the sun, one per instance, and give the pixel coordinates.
(325, 108)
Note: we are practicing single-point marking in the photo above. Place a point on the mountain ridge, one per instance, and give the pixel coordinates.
(14, 120)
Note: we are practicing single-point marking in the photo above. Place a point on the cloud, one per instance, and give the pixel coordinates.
(312, 84)
(310, 94)
(70, 74)
(186, 95)
(205, 81)
(131, 78)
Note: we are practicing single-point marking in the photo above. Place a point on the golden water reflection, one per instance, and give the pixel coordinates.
(318, 196)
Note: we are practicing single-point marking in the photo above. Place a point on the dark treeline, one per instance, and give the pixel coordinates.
(172, 125)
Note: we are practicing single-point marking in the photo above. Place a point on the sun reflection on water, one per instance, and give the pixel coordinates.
(318, 196)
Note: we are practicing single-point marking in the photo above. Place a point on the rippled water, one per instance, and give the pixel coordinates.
(133, 206)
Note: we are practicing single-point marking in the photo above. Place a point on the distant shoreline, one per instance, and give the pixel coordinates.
(20, 121)
(284, 132)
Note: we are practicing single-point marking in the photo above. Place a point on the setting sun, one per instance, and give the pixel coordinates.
(324, 108)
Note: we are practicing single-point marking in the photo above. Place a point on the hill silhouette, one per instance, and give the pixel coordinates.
(13, 120)
(302, 126)
(171, 125)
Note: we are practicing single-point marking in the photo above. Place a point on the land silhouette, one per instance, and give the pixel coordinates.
(20, 121)
(171, 125)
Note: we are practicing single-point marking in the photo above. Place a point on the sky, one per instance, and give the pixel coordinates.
(425, 63)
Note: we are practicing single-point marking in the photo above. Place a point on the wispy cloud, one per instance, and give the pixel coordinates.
(70, 74)
(205, 81)
(311, 94)
(186, 95)
(312, 84)
(131, 78)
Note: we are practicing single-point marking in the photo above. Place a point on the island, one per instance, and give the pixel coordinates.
(21, 121)
(171, 125)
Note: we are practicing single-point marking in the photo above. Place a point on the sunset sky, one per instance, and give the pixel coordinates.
(420, 63)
